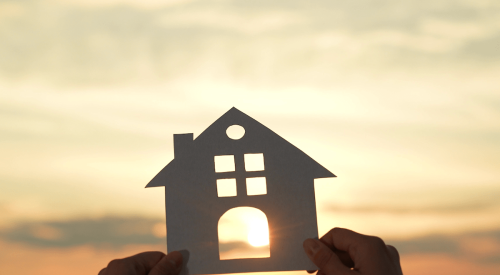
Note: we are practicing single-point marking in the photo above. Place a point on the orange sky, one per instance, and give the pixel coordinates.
(19, 259)
(400, 100)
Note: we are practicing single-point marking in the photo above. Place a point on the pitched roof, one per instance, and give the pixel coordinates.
(215, 138)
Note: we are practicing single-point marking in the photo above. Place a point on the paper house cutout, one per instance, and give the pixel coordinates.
(194, 207)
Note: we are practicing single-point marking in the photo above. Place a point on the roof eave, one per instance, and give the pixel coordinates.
(163, 176)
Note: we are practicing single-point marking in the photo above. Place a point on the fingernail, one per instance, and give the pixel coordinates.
(311, 246)
(176, 259)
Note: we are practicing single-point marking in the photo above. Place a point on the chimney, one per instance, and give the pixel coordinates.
(182, 144)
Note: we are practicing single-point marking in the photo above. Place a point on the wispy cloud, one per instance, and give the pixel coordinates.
(59, 245)
(117, 232)
(480, 247)
(108, 232)
(427, 209)
(116, 41)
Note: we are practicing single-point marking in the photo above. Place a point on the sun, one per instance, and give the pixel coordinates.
(258, 232)
(246, 230)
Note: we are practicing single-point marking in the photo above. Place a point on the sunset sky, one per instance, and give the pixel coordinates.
(399, 99)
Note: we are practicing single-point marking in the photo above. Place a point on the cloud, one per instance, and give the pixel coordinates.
(25, 259)
(402, 210)
(146, 4)
(429, 200)
(108, 231)
(119, 232)
(116, 41)
(481, 247)
(229, 246)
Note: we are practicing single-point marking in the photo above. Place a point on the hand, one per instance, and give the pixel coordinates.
(342, 251)
(146, 263)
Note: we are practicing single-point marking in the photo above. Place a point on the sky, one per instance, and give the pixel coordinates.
(400, 100)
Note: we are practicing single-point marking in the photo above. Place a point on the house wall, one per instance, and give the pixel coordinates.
(193, 208)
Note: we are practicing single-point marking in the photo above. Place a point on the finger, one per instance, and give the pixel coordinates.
(393, 253)
(311, 271)
(342, 239)
(141, 263)
(171, 264)
(146, 261)
(324, 258)
(343, 256)
(357, 245)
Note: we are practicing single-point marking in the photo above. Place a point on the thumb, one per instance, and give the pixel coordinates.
(170, 264)
(324, 258)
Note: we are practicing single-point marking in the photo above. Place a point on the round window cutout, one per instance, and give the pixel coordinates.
(235, 132)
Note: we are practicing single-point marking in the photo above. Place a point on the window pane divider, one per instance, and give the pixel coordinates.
(229, 175)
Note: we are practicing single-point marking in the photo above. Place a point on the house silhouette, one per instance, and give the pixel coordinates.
(194, 206)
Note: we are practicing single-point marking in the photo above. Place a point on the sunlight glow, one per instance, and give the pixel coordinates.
(258, 232)
(243, 233)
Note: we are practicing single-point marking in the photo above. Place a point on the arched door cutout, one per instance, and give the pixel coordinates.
(243, 233)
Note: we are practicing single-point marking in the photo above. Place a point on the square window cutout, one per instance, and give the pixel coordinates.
(224, 163)
(226, 187)
(254, 162)
(256, 186)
